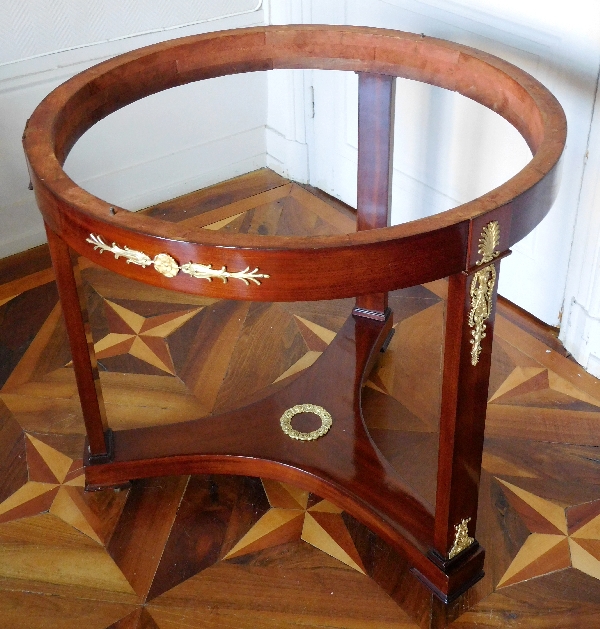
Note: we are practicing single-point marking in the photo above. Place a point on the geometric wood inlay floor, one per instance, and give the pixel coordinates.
(225, 551)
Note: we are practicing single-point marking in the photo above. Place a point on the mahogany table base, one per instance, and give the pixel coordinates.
(464, 244)
(344, 466)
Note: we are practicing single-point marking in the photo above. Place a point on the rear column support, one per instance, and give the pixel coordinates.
(376, 98)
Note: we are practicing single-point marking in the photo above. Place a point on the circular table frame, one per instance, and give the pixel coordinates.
(464, 244)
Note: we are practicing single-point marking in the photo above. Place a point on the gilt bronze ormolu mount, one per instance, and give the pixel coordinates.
(339, 460)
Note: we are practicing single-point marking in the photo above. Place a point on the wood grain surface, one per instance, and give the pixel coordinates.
(225, 551)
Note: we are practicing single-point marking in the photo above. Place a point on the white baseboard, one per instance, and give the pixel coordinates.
(23, 241)
(288, 158)
(581, 336)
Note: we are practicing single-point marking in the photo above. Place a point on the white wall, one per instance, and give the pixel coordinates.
(580, 329)
(174, 142)
(448, 149)
(139, 155)
(290, 109)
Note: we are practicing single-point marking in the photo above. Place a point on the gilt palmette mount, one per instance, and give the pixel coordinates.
(489, 240)
(482, 287)
(166, 265)
(462, 541)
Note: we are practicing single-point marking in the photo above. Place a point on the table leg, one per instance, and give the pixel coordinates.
(465, 384)
(85, 366)
(376, 98)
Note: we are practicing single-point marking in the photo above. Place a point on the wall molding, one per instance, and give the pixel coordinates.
(55, 26)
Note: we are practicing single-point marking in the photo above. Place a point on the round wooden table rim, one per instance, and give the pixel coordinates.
(70, 211)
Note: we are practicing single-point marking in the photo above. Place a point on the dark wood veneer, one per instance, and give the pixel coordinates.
(344, 465)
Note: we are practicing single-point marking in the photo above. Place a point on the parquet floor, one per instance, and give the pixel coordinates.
(236, 552)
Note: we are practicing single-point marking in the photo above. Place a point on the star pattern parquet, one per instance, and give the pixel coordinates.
(141, 337)
(291, 518)
(560, 538)
(223, 551)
